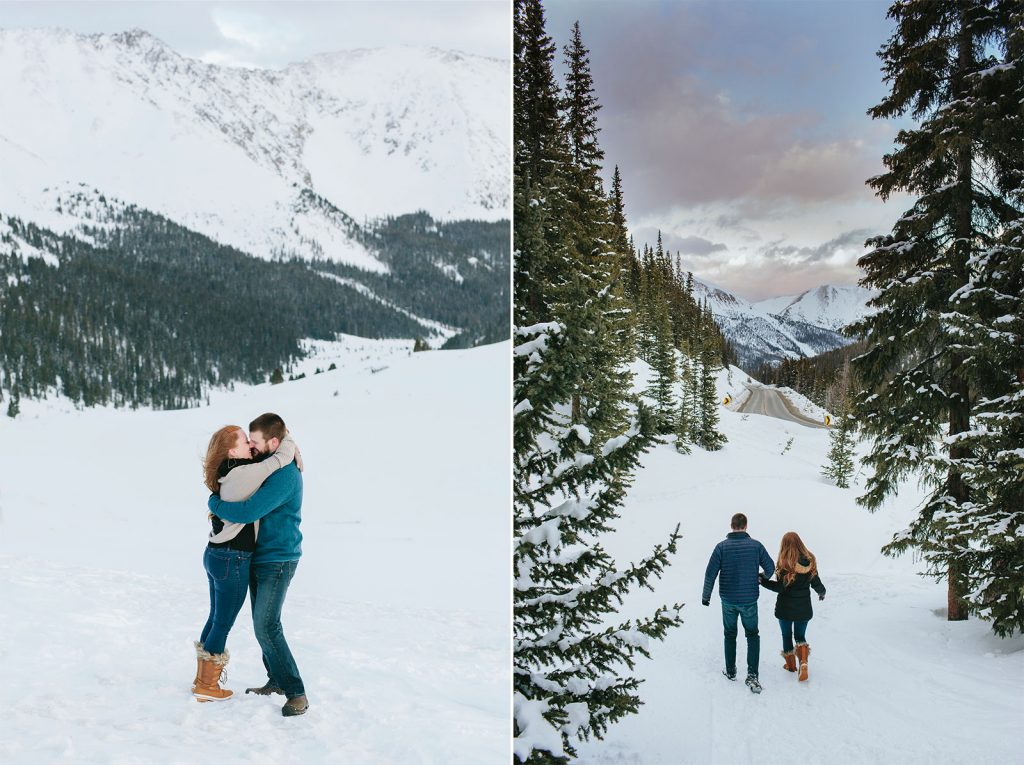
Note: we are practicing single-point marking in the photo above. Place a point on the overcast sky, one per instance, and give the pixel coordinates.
(274, 34)
(740, 131)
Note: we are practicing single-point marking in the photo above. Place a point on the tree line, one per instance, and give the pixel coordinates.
(140, 311)
(591, 311)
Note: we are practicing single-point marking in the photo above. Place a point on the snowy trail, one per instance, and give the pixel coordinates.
(890, 679)
(772, 403)
(398, 613)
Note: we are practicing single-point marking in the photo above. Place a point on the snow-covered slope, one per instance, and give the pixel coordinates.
(235, 153)
(890, 679)
(825, 306)
(398, 614)
(785, 327)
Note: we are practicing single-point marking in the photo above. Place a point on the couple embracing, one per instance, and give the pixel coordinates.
(254, 546)
(737, 559)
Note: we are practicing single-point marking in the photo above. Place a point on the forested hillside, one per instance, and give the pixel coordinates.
(138, 310)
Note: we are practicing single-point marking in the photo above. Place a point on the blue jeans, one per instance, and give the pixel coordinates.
(747, 613)
(228, 574)
(791, 630)
(268, 586)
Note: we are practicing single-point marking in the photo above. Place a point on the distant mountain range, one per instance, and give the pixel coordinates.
(788, 327)
(230, 153)
(370, 187)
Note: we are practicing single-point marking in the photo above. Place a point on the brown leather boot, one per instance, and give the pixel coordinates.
(211, 667)
(802, 652)
(790, 657)
(199, 664)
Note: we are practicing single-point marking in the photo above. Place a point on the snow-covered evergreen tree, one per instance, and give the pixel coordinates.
(663, 363)
(708, 436)
(920, 401)
(572, 657)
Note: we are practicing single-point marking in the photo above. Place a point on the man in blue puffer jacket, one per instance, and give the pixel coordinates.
(737, 558)
(278, 507)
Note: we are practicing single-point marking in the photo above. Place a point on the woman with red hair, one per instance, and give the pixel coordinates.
(796, 572)
(230, 471)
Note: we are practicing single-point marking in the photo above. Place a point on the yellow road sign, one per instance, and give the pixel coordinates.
(828, 419)
(727, 400)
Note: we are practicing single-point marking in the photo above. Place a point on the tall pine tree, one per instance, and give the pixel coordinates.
(920, 400)
(570, 475)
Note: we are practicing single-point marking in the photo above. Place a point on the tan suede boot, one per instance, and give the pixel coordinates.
(199, 664)
(802, 652)
(211, 667)
(790, 657)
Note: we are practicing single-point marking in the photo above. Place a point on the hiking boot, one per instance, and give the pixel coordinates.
(296, 705)
(266, 690)
(753, 684)
(729, 673)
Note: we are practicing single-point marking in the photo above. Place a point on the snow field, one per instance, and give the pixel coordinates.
(398, 614)
(890, 679)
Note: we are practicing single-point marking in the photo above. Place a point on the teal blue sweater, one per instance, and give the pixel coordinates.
(277, 504)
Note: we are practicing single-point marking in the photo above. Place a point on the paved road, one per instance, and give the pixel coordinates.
(770, 402)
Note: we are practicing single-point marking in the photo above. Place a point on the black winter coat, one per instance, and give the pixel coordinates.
(794, 601)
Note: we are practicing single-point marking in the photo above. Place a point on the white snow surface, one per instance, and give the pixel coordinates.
(890, 679)
(227, 152)
(398, 614)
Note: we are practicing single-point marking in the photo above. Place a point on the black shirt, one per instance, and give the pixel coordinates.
(246, 539)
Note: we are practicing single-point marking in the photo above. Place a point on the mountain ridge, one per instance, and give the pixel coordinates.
(785, 327)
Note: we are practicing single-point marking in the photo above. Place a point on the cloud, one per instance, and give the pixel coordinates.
(841, 248)
(694, 246)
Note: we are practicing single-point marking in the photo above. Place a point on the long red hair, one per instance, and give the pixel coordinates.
(220, 444)
(791, 551)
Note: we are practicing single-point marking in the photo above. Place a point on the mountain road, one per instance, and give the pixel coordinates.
(772, 403)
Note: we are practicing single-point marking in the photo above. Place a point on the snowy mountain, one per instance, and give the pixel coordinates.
(784, 327)
(825, 306)
(235, 153)
(398, 614)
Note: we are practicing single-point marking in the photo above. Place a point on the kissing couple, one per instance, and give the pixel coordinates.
(254, 545)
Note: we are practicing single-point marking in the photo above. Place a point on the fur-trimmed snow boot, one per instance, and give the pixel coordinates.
(802, 652)
(211, 669)
(199, 664)
(790, 657)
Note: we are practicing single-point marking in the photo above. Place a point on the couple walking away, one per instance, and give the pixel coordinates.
(737, 558)
(254, 546)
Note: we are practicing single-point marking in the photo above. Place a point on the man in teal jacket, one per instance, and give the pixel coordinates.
(278, 507)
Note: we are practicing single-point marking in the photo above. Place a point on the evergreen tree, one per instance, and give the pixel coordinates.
(708, 435)
(920, 400)
(277, 376)
(569, 479)
(684, 416)
(840, 455)
(663, 363)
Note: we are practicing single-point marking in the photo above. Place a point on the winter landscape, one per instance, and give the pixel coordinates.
(398, 614)
(890, 679)
(883, 423)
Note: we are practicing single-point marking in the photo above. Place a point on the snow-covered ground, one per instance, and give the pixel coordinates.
(890, 679)
(398, 615)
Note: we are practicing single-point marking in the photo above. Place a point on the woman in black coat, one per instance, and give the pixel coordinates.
(796, 572)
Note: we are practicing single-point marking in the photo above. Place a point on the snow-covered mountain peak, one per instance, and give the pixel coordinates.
(784, 327)
(229, 151)
(828, 305)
